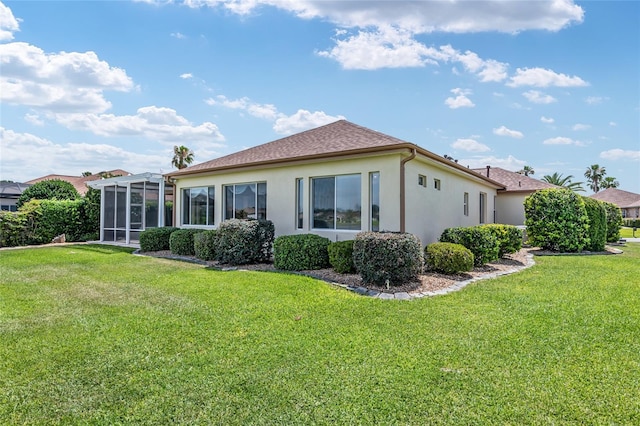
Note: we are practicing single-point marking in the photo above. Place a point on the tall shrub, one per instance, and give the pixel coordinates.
(53, 189)
(479, 239)
(597, 224)
(241, 241)
(387, 258)
(614, 221)
(300, 252)
(556, 219)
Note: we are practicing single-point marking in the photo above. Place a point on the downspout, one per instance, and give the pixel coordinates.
(403, 191)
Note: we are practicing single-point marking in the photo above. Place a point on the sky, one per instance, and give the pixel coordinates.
(103, 85)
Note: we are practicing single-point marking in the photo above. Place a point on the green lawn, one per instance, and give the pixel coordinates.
(93, 335)
(628, 233)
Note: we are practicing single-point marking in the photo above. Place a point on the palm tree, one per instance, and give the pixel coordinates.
(610, 182)
(557, 179)
(527, 170)
(595, 175)
(182, 156)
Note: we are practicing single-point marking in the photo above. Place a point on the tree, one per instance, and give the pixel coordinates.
(54, 189)
(610, 182)
(595, 174)
(557, 179)
(182, 157)
(87, 173)
(527, 170)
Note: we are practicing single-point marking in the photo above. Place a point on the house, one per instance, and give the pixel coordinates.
(9, 194)
(80, 182)
(335, 181)
(629, 202)
(510, 200)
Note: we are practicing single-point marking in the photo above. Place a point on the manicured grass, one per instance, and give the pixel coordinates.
(92, 334)
(628, 233)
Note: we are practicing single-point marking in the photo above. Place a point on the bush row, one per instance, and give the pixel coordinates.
(632, 223)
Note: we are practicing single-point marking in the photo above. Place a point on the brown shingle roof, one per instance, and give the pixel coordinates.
(78, 182)
(337, 138)
(514, 182)
(622, 199)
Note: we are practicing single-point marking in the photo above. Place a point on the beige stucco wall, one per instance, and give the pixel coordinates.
(428, 211)
(510, 208)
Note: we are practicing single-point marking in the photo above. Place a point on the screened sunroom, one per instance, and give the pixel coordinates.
(131, 204)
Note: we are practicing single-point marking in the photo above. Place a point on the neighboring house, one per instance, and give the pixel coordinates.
(335, 181)
(510, 200)
(9, 194)
(80, 182)
(629, 202)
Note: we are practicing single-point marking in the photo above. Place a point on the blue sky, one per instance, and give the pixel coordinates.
(93, 86)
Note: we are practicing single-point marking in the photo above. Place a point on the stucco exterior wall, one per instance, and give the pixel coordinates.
(510, 208)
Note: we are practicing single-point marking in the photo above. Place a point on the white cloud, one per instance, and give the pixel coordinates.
(47, 157)
(186, 76)
(540, 77)
(178, 35)
(620, 154)
(547, 120)
(8, 23)
(303, 120)
(58, 82)
(33, 119)
(561, 140)
(461, 100)
(537, 97)
(153, 123)
(613, 124)
(470, 145)
(509, 163)
(504, 131)
(579, 127)
(264, 111)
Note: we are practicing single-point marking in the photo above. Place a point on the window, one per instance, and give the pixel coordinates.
(336, 202)
(466, 204)
(374, 196)
(422, 180)
(299, 203)
(436, 184)
(198, 205)
(246, 201)
(483, 207)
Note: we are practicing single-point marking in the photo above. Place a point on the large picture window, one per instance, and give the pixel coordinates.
(245, 201)
(198, 205)
(337, 202)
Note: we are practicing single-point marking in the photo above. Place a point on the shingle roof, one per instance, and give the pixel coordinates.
(337, 138)
(78, 182)
(514, 182)
(622, 199)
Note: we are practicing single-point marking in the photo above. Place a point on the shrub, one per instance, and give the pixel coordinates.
(181, 241)
(614, 221)
(597, 230)
(509, 237)
(448, 258)
(13, 229)
(204, 244)
(556, 220)
(341, 256)
(387, 258)
(54, 189)
(300, 252)
(479, 239)
(632, 223)
(156, 239)
(241, 241)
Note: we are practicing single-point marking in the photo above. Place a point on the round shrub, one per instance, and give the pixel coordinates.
(242, 241)
(300, 252)
(53, 189)
(341, 256)
(156, 239)
(204, 244)
(614, 221)
(509, 237)
(556, 220)
(181, 241)
(479, 239)
(448, 258)
(387, 258)
(597, 224)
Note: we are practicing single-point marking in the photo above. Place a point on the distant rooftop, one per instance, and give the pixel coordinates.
(512, 181)
(79, 182)
(622, 199)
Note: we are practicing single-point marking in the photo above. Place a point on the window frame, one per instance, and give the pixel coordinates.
(465, 203)
(258, 206)
(186, 212)
(335, 198)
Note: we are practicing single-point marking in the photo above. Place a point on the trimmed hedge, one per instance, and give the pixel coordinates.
(387, 258)
(52, 189)
(341, 256)
(509, 237)
(181, 241)
(448, 258)
(156, 239)
(241, 241)
(614, 221)
(556, 220)
(204, 244)
(13, 229)
(597, 231)
(479, 239)
(300, 252)
(632, 223)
